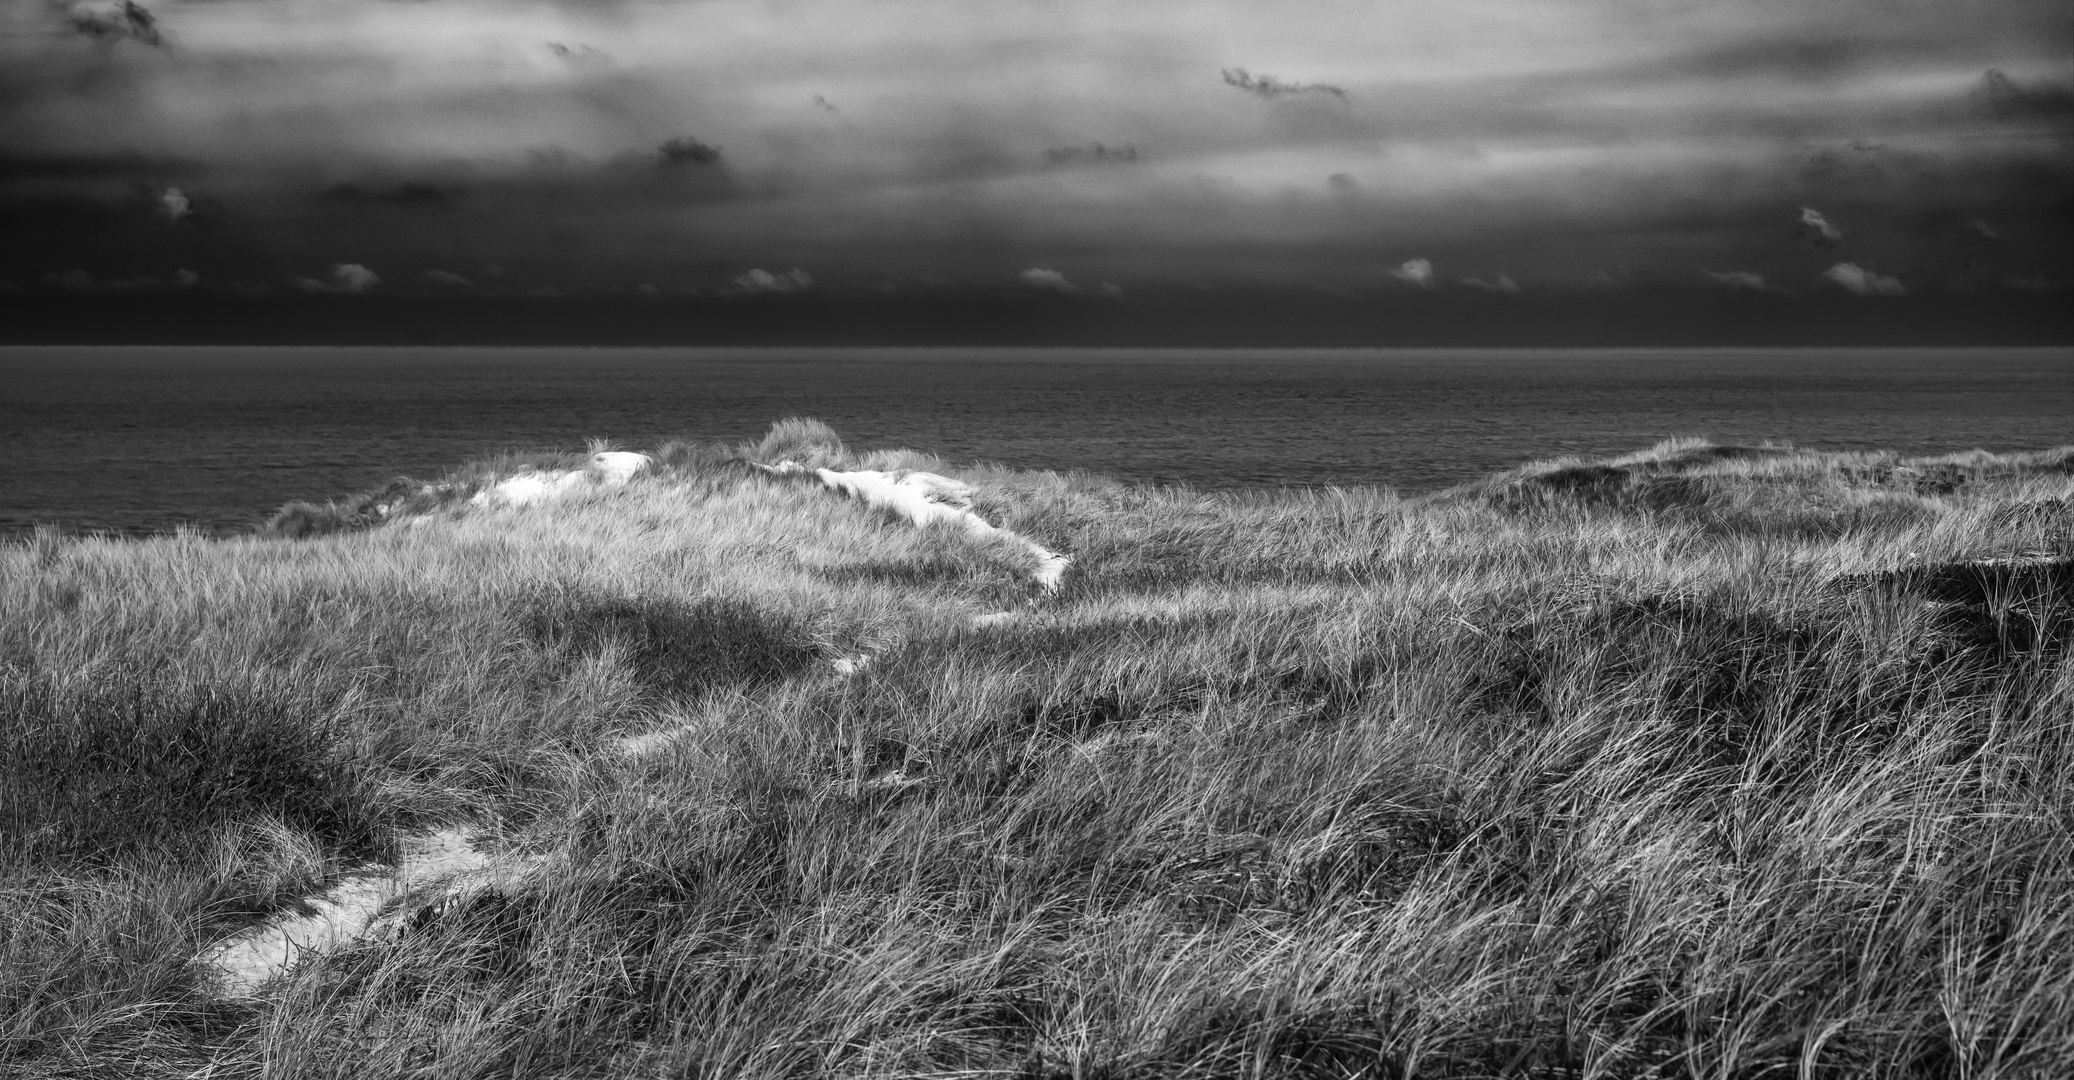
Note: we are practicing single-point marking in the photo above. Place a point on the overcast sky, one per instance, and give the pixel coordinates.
(1102, 148)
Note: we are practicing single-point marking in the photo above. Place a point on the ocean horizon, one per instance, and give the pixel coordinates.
(137, 441)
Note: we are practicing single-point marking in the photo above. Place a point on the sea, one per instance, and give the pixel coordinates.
(140, 441)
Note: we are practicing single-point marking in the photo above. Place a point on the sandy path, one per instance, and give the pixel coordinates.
(368, 900)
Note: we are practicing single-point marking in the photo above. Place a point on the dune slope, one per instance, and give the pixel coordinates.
(1704, 761)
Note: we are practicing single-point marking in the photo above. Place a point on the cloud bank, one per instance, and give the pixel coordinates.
(594, 148)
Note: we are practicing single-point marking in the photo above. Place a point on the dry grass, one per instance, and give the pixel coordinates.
(1700, 762)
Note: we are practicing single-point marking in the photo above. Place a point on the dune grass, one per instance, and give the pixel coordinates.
(1699, 762)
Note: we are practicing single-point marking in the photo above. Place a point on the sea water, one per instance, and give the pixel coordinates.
(141, 440)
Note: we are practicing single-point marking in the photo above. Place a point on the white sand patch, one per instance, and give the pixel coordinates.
(527, 488)
(608, 468)
(648, 743)
(372, 900)
(927, 499)
(616, 467)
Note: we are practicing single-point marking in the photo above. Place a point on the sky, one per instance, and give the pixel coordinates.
(1372, 164)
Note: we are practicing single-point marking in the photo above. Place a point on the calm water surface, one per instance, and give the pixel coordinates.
(140, 440)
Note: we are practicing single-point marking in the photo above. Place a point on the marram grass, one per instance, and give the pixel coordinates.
(1703, 762)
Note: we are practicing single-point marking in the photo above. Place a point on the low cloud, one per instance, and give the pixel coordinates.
(81, 281)
(447, 279)
(1268, 86)
(685, 150)
(763, 282)
(1737, 280)
(114, 22)
(1817, 228)
(1415, 272)
(1038, 277)
(173, 205)
(1501, 284)
(1092, 153)
(410, 195)
(1857, 279)
(581, 57)
(343, 278)
(2005, 98)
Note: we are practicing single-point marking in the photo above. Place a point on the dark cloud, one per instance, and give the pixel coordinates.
(116, 166)
(412, 195)
(1268, 86)
(125, 20)
(1592, 133)
(80, 281)
(684, 150)
(2004, 98)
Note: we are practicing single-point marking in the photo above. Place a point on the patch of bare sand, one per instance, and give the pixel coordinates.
(925, 498)
(435, 869)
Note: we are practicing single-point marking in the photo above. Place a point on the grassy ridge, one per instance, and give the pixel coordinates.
(1706, 762)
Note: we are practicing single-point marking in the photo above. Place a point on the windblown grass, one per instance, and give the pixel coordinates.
(1699, 762)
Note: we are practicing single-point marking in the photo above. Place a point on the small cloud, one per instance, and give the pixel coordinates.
(81, 281)
(344, 278)
(580, 56)
(173, 205)
(1268, 86)
(1737, 280)
(1343, 183)
(1983, 230)
(1857, 279)
(2039, 284)
(1500, 284)
(1038, 277)
(447, 279)
(684, 150)
(1604, 281)
(1415, 272)
(113, 22)
(763, 282)
(1110, 288)
(1817, 228)
(1091, 154)
(825, 105)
